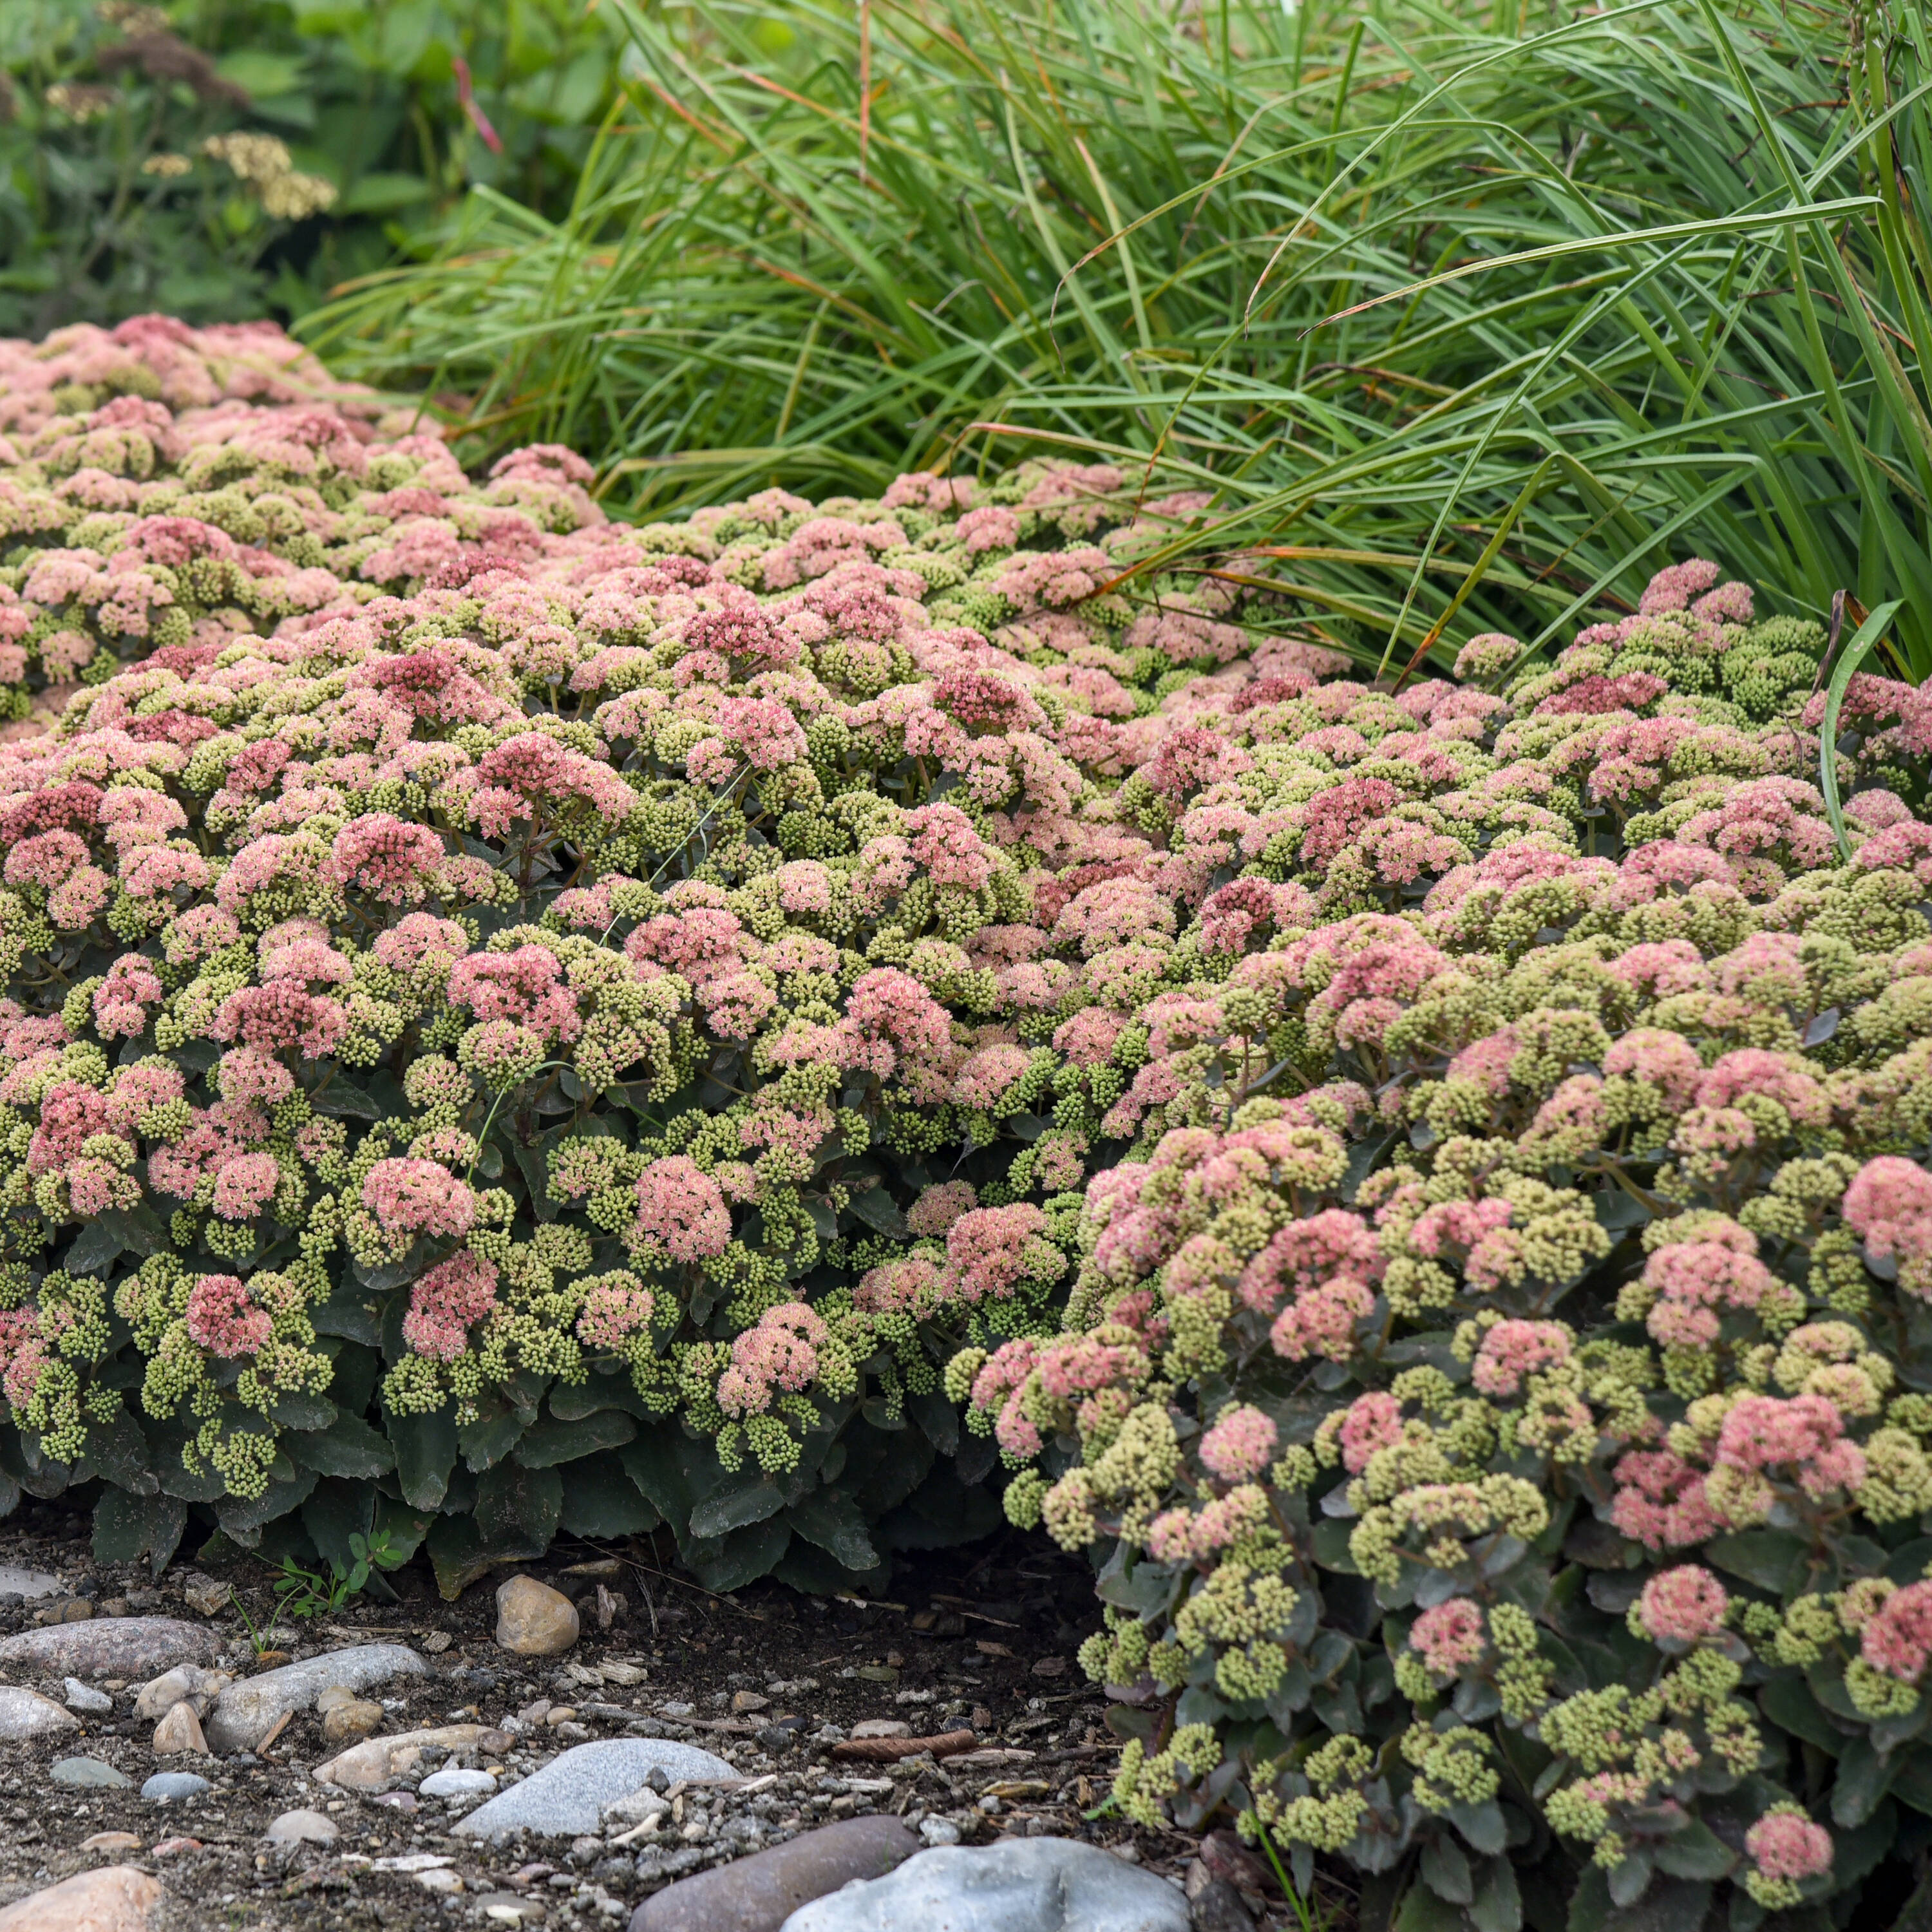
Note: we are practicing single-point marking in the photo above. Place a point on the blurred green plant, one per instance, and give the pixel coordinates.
(1466, 320)
(339, 131)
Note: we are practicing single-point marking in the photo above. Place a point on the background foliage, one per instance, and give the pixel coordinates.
(365, 96)
(1646, 274)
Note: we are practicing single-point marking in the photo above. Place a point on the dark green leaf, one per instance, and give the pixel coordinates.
(139, 1228)
(1696, 1851)
(938, 1418)
(729, 1563)
(298, 1409)
(338, 1510)
(1422, 1911)
(1482, 1824)
(1787, 1701)
(572, 1402)
(456, 1555)
(425, 1446)
(552, 1442)
(1331, 1546)
(830, 1519)
(241, 1521)
(1446, 1871)
(342, 1102)
(348, 1447)
(749, 1497)
(518, 1509)
(1773, 1559)
(600, 1499)
(92, 1249)
(876, 1208)
(486, 1441)
(1498, 1906)
(119, 1450)
(127, 1526)
(1861, 1781)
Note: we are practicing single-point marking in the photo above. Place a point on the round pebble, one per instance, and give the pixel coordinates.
(303, 1827)
(457, 1783)
(175, 1784)
(88, 1771)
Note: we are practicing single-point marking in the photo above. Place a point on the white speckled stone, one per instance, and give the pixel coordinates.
(567, 1798)
(1023, 1885)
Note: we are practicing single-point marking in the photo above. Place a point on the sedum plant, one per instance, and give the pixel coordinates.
(516, 1022)
(1491, 1392)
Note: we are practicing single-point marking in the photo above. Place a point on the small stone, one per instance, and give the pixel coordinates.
(179, 1733)
(437, 1642)
(77, 1696)
(26, 1713)
(533, 1620)
(187, 1682)
(207, 1596)
(16, 1582)
(560, 1714)
(114, 1607)
(567, 1795)
(878, 1673)
(303, 1827)
(132, 1648)
(352, 1718)
(743, 1701)
(397, 1800)
(441, 1880)
(938, 1832)
(89, 1770)
(375, 1763)
(457, 1782)
(505, 1908)
(111, 1841)
(1019, 1885)
(112, 1898)
(167, 1786)
(760, 1893)
(882, 1727)
(1217, 1907)
(73, 1610)
(246, 1712)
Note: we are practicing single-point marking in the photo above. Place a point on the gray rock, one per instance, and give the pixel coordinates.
(758, 1893)
(302, 1827)
(188, 1683)
(245, 1713)
(1217, 1907)
(78, 1697)
(1021, 1885)
(938, 1832)
(21, 1583)
(175, 1784)
(457, 1782)
(567, 1797)
(89, 1770)
(126, 1647)
(26, 1713)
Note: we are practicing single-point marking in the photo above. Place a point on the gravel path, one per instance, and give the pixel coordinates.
(768, 1681)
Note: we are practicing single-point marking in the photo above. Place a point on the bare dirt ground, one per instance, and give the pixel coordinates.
(981, 1638)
